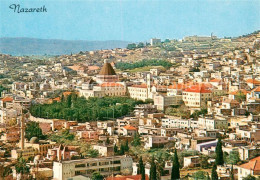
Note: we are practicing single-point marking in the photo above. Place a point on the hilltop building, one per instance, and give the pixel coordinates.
(106, 84)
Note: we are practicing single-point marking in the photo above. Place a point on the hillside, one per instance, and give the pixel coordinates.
(33, 46)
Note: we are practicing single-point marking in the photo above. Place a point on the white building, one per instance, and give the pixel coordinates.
(105, 165)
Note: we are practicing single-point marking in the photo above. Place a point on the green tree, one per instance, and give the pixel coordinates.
(233, 157)
(93, 153)
(141, 168)
(97, 176)
(240, 96)
(21, 167)
(232, 173)
(69, 101)
(219, 153)
(107, 141)
(167, 41)
(214, 174)
(175, 167)
(153, 172)
(204, 161)
(62, 98)
(137, 140)
(208, 178)
(140, 45)
(33, 130)
(126, 147)
(2, 88)
(122, 149)
(131, 46)
(115, 149)
(199, 175)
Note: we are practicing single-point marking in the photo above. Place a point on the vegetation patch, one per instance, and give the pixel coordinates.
(83, 110)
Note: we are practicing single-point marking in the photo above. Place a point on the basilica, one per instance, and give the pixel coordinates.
(106, 83)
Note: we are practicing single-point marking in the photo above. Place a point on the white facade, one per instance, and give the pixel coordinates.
(106, 165)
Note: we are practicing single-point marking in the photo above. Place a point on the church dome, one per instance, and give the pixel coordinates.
(107, 69)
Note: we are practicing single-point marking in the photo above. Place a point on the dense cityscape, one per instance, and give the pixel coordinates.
(163, 109)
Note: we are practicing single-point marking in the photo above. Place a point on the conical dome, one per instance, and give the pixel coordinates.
(107, 69)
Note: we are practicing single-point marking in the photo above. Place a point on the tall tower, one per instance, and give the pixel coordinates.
(148, 82)
(22, 132)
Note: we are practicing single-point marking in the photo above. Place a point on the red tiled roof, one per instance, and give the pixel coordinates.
(239, 91)
(56, 99)
(199, 88)
(129, 127)
(253, 81)
(257, 89)
(91, 68)
(139, 85)
(215, 80)
(253, 164)
(177, 86)
(7, 99)
(67, 93)
(111, 84)
(130, 177)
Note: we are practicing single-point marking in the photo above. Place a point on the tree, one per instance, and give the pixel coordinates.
(126, 146)
(107, 141)
(153, 172)
(240, 96)
(97, 176)
(131, 46)
(249, 177)
(2, 88)
(167, 41)
(21, 167)
(5, 171)
(219, 153)
(137, 140)
(141, 168)
(233, 157)
(214, 174)
(175, 167)
(199, 175)
(122, 149)
(33, 130)
(93, 153)
(232, 173)
(69, 101)
(140, 45)
(62, 98)
(204, 161)
(115, 149)
(208, 178)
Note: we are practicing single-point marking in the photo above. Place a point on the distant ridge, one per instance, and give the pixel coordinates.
(34, 46)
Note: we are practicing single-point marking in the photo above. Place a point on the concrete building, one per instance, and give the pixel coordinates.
(191, 161)
(196, 96)
(105, 165)
(155, 141)
(155, 41)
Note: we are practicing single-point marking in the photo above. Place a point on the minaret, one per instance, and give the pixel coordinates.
(148, 81)
(22, 132)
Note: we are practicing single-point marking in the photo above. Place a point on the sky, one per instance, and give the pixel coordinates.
(129, 20)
